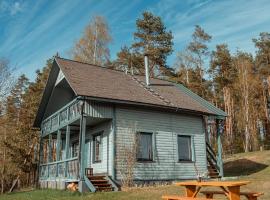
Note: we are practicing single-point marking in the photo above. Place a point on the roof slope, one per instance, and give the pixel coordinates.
(95, 81)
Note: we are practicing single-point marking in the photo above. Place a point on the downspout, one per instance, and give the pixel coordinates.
(114, 144)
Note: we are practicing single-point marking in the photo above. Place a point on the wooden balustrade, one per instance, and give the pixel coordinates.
(62, 117)
(62, 169)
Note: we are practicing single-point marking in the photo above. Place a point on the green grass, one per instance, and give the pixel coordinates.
(246, 166)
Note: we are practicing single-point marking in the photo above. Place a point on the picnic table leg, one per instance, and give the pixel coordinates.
(234, 193)
(251, 197)
(209, 196)
(190, 190)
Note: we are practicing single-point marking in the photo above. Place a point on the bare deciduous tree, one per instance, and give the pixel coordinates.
(92, 47)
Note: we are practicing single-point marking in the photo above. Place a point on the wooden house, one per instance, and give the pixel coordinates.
(96, 121)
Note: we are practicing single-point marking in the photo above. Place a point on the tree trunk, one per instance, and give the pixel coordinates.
(246, 109)
(228, 104)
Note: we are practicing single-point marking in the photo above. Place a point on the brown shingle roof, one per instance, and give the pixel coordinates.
(95, 81)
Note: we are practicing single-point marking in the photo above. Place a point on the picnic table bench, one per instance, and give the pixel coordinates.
(248, 195)
(177, 197)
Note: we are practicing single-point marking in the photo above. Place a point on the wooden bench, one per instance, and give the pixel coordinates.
(177, 197)
(248, 195)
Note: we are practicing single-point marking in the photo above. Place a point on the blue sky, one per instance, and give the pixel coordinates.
(31, 31)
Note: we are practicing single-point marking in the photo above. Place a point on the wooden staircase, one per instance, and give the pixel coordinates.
(212, 164)
(100, 183)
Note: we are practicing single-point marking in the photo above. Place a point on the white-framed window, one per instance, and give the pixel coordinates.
(97, 147)
(145, 146)
(185, 148)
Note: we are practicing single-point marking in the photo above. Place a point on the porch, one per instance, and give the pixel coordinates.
(65, 150)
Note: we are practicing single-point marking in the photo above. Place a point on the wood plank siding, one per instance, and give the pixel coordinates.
(165, 126)
(106, 148)
(98, 110)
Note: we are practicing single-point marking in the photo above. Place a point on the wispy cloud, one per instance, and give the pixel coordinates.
(15, 8)
(11, 8)
(35, 30)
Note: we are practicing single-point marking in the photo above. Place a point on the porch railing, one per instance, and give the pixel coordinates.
(62, 117)
(61, 169)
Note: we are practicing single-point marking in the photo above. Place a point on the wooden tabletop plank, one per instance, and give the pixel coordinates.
(213, 183)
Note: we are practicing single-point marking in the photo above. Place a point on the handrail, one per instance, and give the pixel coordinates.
(212, 155)
(60, 161)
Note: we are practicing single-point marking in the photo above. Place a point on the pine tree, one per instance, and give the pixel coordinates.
(263, 66)
(153, 39)
(224, 74)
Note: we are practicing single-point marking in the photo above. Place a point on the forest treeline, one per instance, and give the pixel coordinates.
(238, 83)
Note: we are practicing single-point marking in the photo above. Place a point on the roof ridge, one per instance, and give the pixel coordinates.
(93, 65)
(152, 91)
(106, 67)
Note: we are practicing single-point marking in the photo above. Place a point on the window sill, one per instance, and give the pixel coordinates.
(145, 161)
(186, 161)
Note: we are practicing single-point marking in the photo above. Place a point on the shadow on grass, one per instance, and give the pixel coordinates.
(242, 167)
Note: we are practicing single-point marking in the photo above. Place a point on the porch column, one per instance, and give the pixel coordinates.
(67, 142)
(82, 145)
(219, 143)
(58, 146)
(41, 149)
(67, 149)
(49, 153)
(50, 148)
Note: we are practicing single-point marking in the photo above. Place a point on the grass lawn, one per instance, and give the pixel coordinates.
(248, 166)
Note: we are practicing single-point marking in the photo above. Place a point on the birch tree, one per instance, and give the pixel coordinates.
(246, 91)
(93, 46)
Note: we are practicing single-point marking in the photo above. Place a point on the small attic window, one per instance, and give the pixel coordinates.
(60, 77)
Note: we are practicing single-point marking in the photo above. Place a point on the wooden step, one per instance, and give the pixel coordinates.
(99, 181)
(102, 185)
(97, 177)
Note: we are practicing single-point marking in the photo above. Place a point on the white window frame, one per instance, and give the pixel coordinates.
(192, 148)
(153, 144)
(100, 133)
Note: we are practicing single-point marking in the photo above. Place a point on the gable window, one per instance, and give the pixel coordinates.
(97, 148)
(184, 148)
(75, 149)
(145, 146)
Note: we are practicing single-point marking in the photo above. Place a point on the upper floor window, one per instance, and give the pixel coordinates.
(184, 148)
(145, 146)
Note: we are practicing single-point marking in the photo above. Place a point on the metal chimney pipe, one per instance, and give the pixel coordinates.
(146, 70)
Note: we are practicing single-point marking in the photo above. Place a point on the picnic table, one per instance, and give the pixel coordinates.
(230, 188)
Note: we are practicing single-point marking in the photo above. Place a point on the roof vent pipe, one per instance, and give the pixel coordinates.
(146, 70)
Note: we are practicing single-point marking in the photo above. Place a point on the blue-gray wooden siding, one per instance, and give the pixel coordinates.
(166, 127)
(105, 166)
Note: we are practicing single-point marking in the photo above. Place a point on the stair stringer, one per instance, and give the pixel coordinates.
(89, 184)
